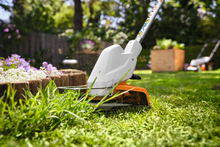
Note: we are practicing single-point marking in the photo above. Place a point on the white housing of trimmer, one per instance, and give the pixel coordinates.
(112, 65)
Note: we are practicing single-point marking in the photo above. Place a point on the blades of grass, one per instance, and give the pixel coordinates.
(35, 98)
(74, 115)
(102, 100)
(13, 102)
(4, 102)
(53, 116)
(90, 87)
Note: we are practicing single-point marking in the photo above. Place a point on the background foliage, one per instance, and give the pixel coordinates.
(192, 22)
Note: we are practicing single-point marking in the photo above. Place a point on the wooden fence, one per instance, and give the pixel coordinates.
(52, 47)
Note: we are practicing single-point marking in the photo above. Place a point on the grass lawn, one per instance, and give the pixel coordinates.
(185, 111)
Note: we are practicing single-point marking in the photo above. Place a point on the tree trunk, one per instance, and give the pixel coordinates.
(78, 15)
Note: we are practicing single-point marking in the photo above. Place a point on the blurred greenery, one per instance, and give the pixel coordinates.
(191, 22)
(187, 21)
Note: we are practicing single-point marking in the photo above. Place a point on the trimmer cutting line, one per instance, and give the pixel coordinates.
(111, 66)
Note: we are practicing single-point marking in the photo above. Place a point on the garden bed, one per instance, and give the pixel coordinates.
(17, 74)
(70, 77)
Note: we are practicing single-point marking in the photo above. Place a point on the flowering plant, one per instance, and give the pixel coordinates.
(168, 44)
(88, 44)
(11, 31)
(14, 62)
(11, 35)
(116, 37)
(20, 75)
(16, 69)
(50, 69)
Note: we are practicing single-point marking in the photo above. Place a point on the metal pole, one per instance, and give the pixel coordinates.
(213, 51)
(203, 48)
(142, 33)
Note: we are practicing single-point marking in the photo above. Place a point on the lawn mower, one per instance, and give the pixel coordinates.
(114, 67)
(199, 61)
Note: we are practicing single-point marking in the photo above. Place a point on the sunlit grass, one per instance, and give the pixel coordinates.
(185, 112)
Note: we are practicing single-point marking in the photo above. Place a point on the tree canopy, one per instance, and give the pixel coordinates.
(187, 21)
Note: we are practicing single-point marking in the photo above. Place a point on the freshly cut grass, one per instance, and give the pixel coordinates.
(185, 111)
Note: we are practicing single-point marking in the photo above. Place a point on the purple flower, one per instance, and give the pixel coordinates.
(49, 67)
(15, 62)
(9, 26)
(8, 64)
(17, 31)
(54, 68)
(33, 60)
(9, 36)
(44, 64)
(24, 64)
(35, 69)
(19, 36)
(27, 68)
(6, 30)
(16, 56)
(148, 66)
(14, 25)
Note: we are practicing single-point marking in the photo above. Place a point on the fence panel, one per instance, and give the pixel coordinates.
(32, 42)
(52, 46)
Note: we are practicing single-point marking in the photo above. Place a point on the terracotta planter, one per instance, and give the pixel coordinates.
(170, 60)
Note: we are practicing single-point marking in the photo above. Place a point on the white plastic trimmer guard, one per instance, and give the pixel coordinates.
(112, 65)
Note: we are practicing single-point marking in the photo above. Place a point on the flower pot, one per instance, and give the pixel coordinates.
(170, 60)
